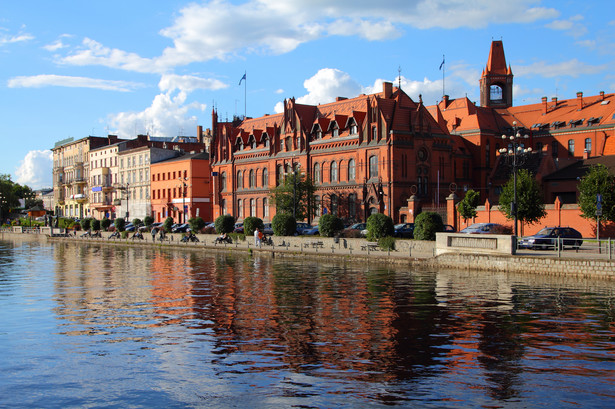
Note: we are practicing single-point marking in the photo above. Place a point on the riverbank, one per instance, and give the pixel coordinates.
(415, 253)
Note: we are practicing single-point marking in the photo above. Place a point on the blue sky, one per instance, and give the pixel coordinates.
(73, 69)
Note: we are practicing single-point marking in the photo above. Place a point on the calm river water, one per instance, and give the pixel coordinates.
(90, 326)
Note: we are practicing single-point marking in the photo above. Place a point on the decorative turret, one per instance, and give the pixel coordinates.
(496, 83)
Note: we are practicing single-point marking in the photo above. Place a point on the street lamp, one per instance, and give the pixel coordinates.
(183, 186)
(126, 189)
(515, 152)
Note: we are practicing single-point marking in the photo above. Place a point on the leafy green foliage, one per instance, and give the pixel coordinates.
(196, 224)
(387, 243)
(11, 193)
(252, 223)
(296, 193)
(597, 180)
(284, 225)
(85, 223)
(137, 222)
(225, 224)
(379, 225)
(95, 225)
(105, 223)
(467, 206)
(167, 225)
(120, 224)
(426, 225)
(148, 220)
(530, 206)
(329, 225)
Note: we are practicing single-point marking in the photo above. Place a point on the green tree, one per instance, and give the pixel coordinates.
(284, 225)
(596, 181)
(137, 222)
(295, 196)
(148, 220)
(379, 225)
(252, 223)
(530, 206)
(467, 206)
(224, 224)
(86, 223)
(426, 225)
(329, 225)
(196, 224)
(95, 224)
(167, 225)
(105, 223)
(120, 224)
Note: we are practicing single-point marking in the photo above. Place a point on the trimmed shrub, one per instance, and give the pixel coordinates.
(137, 222)
(252, 223)
(387, 243)
(284, 225)
(85, 223)
(120, 224)
(329, 225)
(148, 220)
(426, 225)
(167, 225)
(225, 224)
(379, 225)
(105, 223)
(196, 224)
(209, 230)
(95, 225)
(124, 234)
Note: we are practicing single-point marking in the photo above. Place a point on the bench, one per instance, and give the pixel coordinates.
(370, 246)
(317, 244)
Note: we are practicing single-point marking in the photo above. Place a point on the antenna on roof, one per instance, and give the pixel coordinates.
(399, 77)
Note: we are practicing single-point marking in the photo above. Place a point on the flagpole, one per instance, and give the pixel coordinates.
(443, 70)
(245, 95)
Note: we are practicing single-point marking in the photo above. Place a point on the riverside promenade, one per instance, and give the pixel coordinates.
(588, 261)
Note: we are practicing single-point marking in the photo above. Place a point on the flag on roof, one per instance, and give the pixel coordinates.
(242, 78)
(438, 68)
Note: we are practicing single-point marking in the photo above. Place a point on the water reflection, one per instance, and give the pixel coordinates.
(299, 332)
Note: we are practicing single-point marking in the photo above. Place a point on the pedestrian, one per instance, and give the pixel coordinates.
(257, 237)
(154, 231)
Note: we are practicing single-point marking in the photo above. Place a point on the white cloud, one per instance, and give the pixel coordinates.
(58, 44)
(220, 29)
(572, 26)
(573, 68)
(188, 83)
(11, 39)
(168, 115)
(279, 91)
(326, 85)
(35, 170)
(38, 81)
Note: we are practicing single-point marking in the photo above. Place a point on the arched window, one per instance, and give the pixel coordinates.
(335, 130)
(588, 145)
(252, 142)
(280, 173)
(354, 129)
(240, 209)
(495, 93)
(252, 207)
(334, 204)
(252, 179)
(571, 146)
(223, 181)
(334, 176)
(265, 178)
(239, 143)
(318, 206)
(223, 206)
(351, 170)
(317, 174)
(265, 208)
(352, 205)
(239, 179)
(373, 166)
(265, 140)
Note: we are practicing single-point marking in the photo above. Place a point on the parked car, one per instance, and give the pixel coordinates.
(302, 227)
(449, 229)
(547, 237)
(404, 230)
(180, 228)
(312, 232)
(129, 227)
(486, 228)
(267, 229)
(356, 227)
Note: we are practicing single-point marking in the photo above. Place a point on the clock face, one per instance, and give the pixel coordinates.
(422, 154)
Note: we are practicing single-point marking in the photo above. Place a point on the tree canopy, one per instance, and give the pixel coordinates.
(596, 181)
(530, 206)
(467, 206)
(295, 194)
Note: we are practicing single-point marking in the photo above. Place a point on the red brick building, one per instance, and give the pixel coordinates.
(366, 154)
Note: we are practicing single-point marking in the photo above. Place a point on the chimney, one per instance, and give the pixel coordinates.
(544, 105)
(199, 134)
(579, 101)
(446, 101)
(554, 100)
(602, 95)
(387, 89)
(142, 138)
(112, 139)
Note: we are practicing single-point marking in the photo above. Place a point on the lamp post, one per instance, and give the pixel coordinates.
(514, 152)
(126, 190)
(183, 185)
(2, 202)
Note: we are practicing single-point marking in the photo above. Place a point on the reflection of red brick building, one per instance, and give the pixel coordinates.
(366, 154)
(180, 188)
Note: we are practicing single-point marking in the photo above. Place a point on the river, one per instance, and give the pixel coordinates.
(95, 325)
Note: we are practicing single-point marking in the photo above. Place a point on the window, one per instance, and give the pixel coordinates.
(252, 208)
(239, 209)
(554, 146)
(239, 180)
(539, 146)
(352, 205)
(252, 142)
(335, 131)
(374, 133)
(373, 166)
(239, 144)
(351, 170)
(571, 147)
(318, 134)
(334, 175)
(588, 145)
(280, 175)
(265, 178)
(318, 206)
(317, 176)
(265, 208)
(334, 204)
(223, 181)
(353, 129)
(495, 93)
(223, 206)
(265, 140)
(252, 179)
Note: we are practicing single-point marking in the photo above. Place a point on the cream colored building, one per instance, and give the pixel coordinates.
(103, 178)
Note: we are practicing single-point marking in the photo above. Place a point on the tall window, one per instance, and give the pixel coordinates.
(265, 178)
(334, 204)
(373, 166)
(252, 142)
(334, 176)
(352, 205)
(265, 208)
(318, 206)
(223, 181)
(252, 180)
(571, 146)
(223, 206)
(252, 207)
(240, 209)
(588, 145)
(335, 131)
(280, 173)
(351, 170)
(317, 175)
(239, 179)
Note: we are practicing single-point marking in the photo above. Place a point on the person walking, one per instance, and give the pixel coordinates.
(154, 231)
(257, 237)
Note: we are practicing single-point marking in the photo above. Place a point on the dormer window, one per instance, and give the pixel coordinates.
(593, 121)
(575, 122)
(557, 124)
(252, 142)
(239, 144)
(265, 140)
(335, 130)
